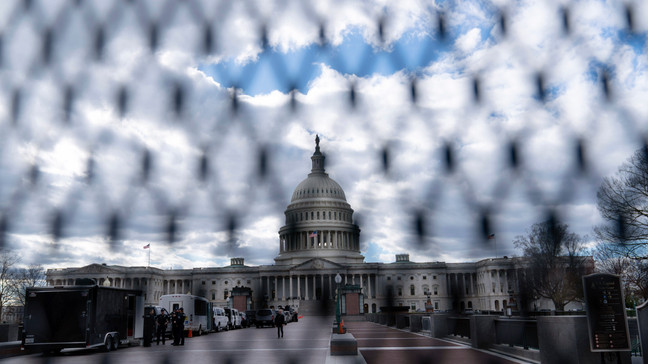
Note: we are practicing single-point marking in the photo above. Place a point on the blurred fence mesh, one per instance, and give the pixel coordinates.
(62, 91)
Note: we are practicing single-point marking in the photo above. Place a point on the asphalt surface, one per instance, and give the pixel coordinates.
(306, 341)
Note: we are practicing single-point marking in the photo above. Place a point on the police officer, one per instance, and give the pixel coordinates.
(174, 327)
(162, 321)
(181, 320)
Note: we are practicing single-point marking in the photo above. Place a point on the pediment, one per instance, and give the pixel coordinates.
(95, 269)
(318, 264)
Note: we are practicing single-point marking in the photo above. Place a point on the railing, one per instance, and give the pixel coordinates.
(459, 326)
(512, 332)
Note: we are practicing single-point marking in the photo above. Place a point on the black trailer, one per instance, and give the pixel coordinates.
(80, 317)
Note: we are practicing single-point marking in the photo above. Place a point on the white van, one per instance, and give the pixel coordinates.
(234, 318)
(196, 310)
(220, 321)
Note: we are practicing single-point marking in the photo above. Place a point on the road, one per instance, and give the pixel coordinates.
(306, 341)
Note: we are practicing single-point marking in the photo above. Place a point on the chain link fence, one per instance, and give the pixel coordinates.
(110, 115)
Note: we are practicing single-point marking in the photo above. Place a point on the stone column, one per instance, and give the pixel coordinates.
(290, 284)
(306, 287)
(298, 287)
(314, 286)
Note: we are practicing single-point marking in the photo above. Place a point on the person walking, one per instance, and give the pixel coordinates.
(162, 322)
(279, 322)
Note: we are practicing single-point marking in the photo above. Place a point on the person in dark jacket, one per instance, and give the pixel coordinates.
(175, 324)
(279, 322)
(181, 328)
(162, 321)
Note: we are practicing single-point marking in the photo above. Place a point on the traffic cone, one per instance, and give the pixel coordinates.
(190, 334)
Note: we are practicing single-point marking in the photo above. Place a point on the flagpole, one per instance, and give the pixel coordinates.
(149, 261)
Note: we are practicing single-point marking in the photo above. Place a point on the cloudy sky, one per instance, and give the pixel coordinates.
(187, 124)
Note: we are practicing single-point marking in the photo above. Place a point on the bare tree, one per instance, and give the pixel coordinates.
(632, 272)
(8, 259)
(623, 203)
(555, 264)
(32, 276)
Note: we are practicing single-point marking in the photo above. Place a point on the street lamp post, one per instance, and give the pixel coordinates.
(338, 280)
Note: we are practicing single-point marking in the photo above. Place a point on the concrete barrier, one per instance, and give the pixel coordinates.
(415, 324)
(343, 344)
(439, 325)
(482, 331)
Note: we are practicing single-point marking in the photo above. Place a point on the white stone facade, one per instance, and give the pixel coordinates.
(318, 241)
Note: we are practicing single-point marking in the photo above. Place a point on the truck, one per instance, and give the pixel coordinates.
(198, 311)
(81, 316)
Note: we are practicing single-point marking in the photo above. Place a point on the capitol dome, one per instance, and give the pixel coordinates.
(319, 221)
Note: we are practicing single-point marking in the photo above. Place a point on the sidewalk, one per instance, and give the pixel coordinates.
(379, 344)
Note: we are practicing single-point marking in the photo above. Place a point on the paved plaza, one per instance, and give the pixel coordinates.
(306, 341)
(379, 344)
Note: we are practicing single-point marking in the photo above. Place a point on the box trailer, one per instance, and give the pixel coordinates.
(57, 318)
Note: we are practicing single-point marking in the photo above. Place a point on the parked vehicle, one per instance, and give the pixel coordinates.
(233, 317)
(251, 317)
(90, 316)
(265, 316)
(292, 314)
(220, 321)
(195, 308)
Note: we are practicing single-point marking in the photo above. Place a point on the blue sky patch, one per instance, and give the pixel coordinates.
(276, 70)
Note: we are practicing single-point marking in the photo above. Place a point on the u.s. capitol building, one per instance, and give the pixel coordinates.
(318, 241)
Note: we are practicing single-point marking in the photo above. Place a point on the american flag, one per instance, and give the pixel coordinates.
(491, 236)
(313, 234)
(147, 246)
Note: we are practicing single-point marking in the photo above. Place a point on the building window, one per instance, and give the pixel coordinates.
(411, 278)
(329, 215)
(436, 305)
(213, 295)
(225, 282)
(389, 278)
(424, 277)
(225, 294)
(436, 290)
(312, 215)
(412, 290)
(213, 282)
(203, 283)
(400, 291)
(493, 287)
(433, 277)
(318, 215)
(399, 278)
(248, 281)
